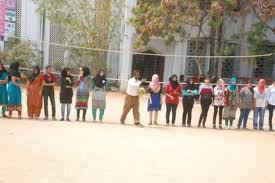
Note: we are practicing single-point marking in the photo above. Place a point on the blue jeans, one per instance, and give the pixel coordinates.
(243, 117)
(258, 112)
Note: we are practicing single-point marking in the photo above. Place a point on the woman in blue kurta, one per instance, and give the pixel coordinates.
(3, 89)
(14, 90)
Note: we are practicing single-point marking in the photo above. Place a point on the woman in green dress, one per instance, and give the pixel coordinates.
(99, 87)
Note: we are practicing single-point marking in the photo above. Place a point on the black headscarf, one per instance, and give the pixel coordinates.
(34, 75)
(100, 81)
(3, 69)
(189, 85)
(173, 83)
(86, 71)
(64, 72)
(14, 70)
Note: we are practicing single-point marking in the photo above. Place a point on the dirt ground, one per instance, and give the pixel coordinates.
(76, 152)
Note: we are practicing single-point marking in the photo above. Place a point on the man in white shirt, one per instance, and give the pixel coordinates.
(271, 103)
(132, 99)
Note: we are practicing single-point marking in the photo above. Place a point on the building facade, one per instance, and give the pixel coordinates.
(35, 27)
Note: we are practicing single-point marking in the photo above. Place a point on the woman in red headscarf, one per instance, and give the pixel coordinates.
(260, 96)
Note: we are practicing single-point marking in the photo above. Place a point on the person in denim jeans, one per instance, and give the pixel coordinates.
(246, 104)
(260, 96)
(271, 103)
(48, 92)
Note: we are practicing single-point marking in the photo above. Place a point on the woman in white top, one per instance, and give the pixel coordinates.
(260, 94)
(219, 98)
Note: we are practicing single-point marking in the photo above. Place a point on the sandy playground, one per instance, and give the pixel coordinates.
(76, 152)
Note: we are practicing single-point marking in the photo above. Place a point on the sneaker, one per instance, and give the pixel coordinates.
(139, 125)
(156, 123)
(226, 127)
(62, 119)
(151, 123)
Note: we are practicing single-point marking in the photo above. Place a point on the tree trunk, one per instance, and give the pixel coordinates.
(197, 47)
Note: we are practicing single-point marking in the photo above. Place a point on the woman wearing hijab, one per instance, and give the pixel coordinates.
(99, 95)
(231, 103)
(14, 90)
(172, 91)
(3, 89)
(189, 91)
(219, 98)
(34, 93)
(82, 94)
(206, 93)
(246, 104)
(154, 101)
(66, 93)
(260, 97)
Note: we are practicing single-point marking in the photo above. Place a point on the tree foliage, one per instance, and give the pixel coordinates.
(84, 23)
(25, 53)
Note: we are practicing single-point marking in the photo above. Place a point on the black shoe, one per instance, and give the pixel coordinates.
(220, 127)
(68, 120)
(204, 126)
(199, 125)
(4, 116)
(261, 129)
(62, 119)
(214, 127)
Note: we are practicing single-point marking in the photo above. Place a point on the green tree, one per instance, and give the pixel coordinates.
(168, 19)
(84, 23)
(25, 53)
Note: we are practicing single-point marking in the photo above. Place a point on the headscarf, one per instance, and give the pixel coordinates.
(14, 70)
(189, 85)
(220, 84)
(100, 81)
(86, 71)
(261, 86)
(34, 75)
(173, 83)
(232, 87)
(64, 72)
(154, 84)
(3, 69)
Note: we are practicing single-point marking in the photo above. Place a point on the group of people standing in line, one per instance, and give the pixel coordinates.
(41, 86)
(225, 99)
